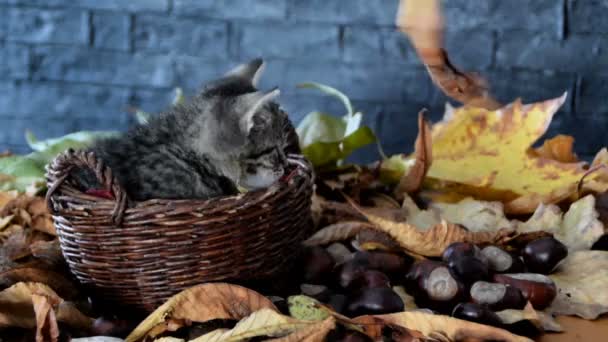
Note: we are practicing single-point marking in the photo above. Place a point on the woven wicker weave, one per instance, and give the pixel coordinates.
(141, 253)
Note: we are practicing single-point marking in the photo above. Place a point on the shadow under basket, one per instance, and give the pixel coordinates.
(138, 254)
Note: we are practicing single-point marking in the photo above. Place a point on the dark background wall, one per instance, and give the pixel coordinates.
(68, 65)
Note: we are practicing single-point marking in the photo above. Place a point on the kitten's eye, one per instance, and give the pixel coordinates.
(251, 169)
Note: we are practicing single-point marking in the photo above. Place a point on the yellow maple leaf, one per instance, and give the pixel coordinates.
(487, 150)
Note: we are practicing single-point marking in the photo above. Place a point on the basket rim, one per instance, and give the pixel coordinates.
(58, 172)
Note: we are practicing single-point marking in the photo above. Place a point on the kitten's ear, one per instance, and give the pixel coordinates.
(250, 72)
(252, 102)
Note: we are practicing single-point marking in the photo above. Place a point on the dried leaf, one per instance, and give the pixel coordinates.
(582, 280)
(49, 252)
(6, 197)
(313, 333)
(433, 241)
(541, 320)
(560, 148)
(422, 22)
(487, 149)
(17, 307)
(430, 325)
(200, 304)
(336, 232)
(46, 322)
(64, 288)
(474, 215)
(578, 229)
(264, 322)
(412, 180)
(5, 221)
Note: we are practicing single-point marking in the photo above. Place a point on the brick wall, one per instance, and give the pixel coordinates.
(69, 65)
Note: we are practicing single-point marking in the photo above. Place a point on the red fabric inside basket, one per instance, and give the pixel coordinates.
(102, 193)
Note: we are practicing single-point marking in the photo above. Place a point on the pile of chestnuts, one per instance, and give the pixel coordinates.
(468, 282)
(473, 283)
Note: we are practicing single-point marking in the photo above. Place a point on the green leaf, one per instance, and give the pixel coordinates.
(82, 138)
(320, 127)
(391, 169)
(307, 309)
(323, 154)
(25, 170)
(330, 91)
(359, 138)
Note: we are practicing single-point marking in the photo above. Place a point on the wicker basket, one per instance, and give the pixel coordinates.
(141, 253)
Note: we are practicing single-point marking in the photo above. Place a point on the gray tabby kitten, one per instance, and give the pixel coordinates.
(230, 134)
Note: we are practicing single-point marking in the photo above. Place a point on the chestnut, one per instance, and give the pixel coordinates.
(342, 335)
(318, 292)
(386, 262)
(476, 313)
(538, 289)
(338, 302)
(374, 301)
(441, 286)
(421, 268)
(501, 261)
(317, 264)
(339, 253)
(371, 239)
(351, 270)
(469, 269)
(104, 326)
(496, 296)
(458, 250)
(370, 278)
(542, 255)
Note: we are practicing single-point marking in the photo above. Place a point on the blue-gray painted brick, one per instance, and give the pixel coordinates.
(580, 53)
(50, 101)
(42, 129)
(507, 85)
(33, 25)
(362, 44)
(592, 100)
(340, 11)
(193, 72)
(111, 31)
(470, 49)
(113, 5)
(123, 5)
(287, 40)
(151, 101)
(14, 61)
(232, 9)
(391, 83)
(545, 16)
(87, 65)
(3, 23)
(588, 16)
(7, 93)
(589, 135)
(184, 36)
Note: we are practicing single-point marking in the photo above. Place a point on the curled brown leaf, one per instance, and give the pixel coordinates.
(431, 242)
(431, 325)
(336, 232)
(201, 303)
(412, 181)
(422, 22)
